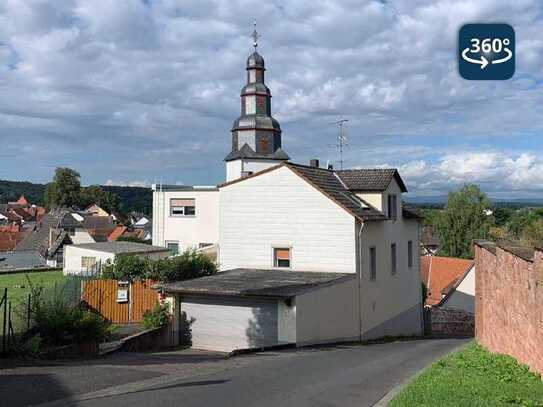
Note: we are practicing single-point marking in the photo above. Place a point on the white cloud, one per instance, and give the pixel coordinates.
(150, 89)
(142, 184)
(496, 172)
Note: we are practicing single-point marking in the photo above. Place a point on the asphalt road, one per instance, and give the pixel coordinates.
(336, 376)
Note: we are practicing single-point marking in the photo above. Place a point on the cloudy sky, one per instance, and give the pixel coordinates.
(129, 91)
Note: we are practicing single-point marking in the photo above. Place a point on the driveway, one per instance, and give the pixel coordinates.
(328, 376)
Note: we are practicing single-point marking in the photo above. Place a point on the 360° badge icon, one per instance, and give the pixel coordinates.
(486, 51)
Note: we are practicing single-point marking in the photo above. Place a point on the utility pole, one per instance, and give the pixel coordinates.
(342, 140)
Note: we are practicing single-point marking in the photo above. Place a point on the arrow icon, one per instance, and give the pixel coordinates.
(483, 61)
(507, 58)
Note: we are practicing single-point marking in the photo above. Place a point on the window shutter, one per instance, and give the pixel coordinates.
(282, 254)
(182, 202)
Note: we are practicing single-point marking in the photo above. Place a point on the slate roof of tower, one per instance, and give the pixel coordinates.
(370, 179)
(248, 152)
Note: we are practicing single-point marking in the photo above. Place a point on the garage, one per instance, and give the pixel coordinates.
(251, 308)
(231, 323)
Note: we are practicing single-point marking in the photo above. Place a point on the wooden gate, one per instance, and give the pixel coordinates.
(102, 295)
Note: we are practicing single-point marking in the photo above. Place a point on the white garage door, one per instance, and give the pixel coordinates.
(226, 324)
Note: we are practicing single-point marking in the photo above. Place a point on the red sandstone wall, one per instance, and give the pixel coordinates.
(509, 305)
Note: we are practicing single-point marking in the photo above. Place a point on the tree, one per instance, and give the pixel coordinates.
(109, 201)
(64, 190)
(463, 220)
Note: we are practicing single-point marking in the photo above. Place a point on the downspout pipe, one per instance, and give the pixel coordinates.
(359, 250)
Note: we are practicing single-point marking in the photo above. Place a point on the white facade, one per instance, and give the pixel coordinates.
(77, 259)
(189, 231)
(279, 209)
(463, 296)
(80, 236)
(237, 168)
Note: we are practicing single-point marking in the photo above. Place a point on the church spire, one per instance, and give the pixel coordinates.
(256, 134)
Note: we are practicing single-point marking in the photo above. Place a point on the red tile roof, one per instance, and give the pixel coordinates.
(440, 274)
(117, 233)
(22, 201)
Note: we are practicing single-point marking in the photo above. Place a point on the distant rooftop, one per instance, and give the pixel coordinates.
(21, 260)
(121, 247)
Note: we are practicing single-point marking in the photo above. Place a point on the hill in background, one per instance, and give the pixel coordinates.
(132, 198)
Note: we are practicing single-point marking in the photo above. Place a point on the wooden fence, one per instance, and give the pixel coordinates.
(103, 296)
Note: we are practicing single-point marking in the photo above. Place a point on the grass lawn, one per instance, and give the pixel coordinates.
(474, 377)
(18, 287)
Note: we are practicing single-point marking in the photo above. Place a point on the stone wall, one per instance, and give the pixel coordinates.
(450, 323)
(509, 301)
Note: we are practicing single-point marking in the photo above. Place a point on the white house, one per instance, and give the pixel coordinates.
(307, 254)
(86, 258)
(462, 293)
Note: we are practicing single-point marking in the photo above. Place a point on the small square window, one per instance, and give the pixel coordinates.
(281, 257)
(173, 247)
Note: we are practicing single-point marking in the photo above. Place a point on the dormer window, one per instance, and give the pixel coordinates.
(392, 206)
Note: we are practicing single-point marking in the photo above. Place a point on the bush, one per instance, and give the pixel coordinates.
(128, 268)
(158, 317)
(190, 264)
(56, 322)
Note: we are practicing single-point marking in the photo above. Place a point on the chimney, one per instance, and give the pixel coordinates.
(330, 166)
(314, 163)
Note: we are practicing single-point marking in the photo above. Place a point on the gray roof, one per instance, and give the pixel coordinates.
(68, 221)
(255, 282)
(370, 179)
(248, 152)
(21, 260)
(38, 239)
(410, 212)
(328, 183)
(121, 247)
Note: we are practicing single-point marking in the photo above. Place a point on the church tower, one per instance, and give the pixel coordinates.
(256, 135)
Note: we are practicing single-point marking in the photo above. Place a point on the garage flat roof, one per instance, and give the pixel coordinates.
(121, 247)
(256, 282)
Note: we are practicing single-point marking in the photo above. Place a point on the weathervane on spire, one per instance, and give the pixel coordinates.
(255, 35)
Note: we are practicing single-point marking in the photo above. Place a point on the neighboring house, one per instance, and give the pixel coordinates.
(124, 232)
(461, 295)
(450, 282)
(47, 239)
(307, 255)
(88, 258)
(21, 260)
(99, 227)
(73, 225)
(429, 241)
(10, 235)
(95, 210)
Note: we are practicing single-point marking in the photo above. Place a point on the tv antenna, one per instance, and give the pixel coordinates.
(342, 139)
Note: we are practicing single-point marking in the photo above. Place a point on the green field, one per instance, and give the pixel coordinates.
(474, 377)
(19, 288)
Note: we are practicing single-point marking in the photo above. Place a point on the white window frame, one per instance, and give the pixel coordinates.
(182, 215)
(274, 262)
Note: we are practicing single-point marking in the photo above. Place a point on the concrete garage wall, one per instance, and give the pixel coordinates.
(391, 304)
(278, 209)
(73, 255)
(328, 314)
(286, 320)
